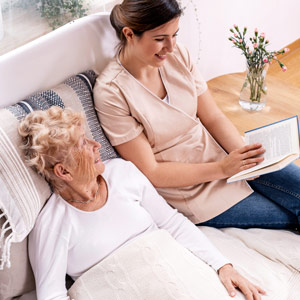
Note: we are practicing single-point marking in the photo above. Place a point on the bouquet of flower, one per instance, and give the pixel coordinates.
(258, 59)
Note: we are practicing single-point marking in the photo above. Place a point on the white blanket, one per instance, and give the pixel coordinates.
(155, 266)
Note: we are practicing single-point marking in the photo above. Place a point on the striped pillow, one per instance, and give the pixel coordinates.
(76, 93)
(23, 192)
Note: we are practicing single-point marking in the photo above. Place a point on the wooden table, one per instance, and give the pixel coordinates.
(283, 101)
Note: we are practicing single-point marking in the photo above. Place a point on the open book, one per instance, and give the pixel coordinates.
(281, 142)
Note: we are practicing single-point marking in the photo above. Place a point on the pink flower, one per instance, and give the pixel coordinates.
(250, 51)
(274, 57)
(240, 40)
(255, 45)
(235, 26)
(235, 35)
(286, 50)
(255, 30)
(247, 47)
(263, 35)
(284, 68)
(265, 60)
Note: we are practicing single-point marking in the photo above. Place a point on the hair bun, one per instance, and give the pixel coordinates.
(117, 19)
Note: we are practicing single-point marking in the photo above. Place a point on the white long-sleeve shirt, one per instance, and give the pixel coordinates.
(68, 240)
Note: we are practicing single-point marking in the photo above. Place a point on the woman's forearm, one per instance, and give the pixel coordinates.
(217, 124)
(168, 174)
(176, 174)
(225, 133)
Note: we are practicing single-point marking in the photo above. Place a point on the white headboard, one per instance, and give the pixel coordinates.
(87, 43)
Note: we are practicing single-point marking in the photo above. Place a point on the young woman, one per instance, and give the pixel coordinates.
(157, 111)
(80, 224)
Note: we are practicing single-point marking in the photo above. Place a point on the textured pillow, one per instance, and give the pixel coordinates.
(75, 92)
(23, 192)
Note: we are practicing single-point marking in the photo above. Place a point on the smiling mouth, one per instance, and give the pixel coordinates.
(161, 56)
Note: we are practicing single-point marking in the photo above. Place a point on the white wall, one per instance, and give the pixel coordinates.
(279, 19)
(1, 24)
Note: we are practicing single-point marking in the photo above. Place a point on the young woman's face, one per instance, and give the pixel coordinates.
(154, 45)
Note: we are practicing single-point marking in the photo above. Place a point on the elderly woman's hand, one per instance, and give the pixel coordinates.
(232, 280)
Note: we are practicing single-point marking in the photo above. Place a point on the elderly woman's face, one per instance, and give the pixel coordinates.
(88, 158)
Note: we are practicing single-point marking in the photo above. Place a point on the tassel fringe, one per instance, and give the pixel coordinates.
(5, 244)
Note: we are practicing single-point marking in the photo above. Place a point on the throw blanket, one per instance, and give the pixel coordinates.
(155, 266)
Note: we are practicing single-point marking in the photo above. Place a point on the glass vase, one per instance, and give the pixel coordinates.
(253, 96)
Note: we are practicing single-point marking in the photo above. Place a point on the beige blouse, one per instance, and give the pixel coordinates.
(126, 108)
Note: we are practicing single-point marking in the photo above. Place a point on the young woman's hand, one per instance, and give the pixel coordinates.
(232, 280)
(242, 159)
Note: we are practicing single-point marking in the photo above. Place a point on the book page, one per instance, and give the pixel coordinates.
(278, 140)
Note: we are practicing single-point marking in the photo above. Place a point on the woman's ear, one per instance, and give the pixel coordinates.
(61, 172)
(128, 33)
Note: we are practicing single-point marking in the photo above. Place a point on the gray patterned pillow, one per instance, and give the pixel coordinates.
(23, 192)
(75, 92)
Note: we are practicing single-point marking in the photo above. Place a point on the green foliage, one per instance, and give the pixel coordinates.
(59, 12)
(56, 12)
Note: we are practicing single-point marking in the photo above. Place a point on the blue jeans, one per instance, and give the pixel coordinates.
(275, 203)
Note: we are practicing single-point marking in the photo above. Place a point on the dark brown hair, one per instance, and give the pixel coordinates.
(142, 15)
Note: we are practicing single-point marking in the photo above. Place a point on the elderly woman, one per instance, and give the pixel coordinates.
(86, 219)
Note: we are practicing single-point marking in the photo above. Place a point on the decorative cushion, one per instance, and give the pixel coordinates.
(23, 192)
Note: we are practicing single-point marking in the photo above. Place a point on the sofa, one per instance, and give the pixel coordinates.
(60, 68)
